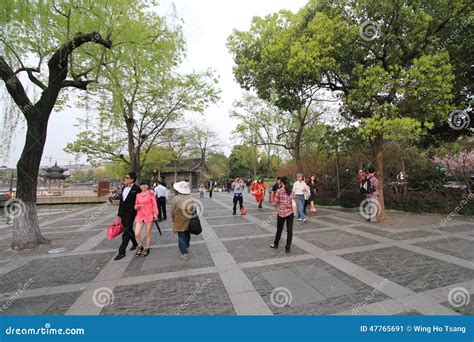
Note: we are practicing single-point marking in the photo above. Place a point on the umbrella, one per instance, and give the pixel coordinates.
(158, 227)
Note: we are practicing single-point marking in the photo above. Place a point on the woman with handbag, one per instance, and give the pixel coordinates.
(182, 210)
(238, 188)
(147, 212)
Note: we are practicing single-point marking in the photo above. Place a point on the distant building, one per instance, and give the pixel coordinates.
(192, 170)
(54, 175)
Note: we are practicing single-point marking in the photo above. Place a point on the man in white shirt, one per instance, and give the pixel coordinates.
(160, 192)
(300, 188)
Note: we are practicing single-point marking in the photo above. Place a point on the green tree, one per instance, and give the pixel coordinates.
(244, 161)
(141, 95)
(67, 42)
(397, 81)
(203, 141)
(218, 166)
(264, 62)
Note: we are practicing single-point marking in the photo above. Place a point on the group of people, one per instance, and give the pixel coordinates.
(141, 206)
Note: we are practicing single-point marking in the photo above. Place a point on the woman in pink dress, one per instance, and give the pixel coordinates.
(147, 212)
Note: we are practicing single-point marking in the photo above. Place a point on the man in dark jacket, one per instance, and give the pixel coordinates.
(127, 213)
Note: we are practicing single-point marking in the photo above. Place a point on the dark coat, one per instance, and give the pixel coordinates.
(127, 207)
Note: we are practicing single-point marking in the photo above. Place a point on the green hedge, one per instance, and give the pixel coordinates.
(413, 201)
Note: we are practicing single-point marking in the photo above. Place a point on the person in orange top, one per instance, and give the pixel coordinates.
(259, 191)
(147, 212)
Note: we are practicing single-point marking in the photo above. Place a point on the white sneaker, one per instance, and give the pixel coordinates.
(298, 219)
(304, 220)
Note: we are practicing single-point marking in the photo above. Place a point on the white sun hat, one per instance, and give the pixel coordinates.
(182, 188)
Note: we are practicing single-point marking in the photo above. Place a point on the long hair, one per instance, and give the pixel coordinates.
(286, 183)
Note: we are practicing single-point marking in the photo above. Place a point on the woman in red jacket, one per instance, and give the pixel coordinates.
(259, 191)
(147, 212)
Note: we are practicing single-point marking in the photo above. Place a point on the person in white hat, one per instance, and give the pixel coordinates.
(182, 209)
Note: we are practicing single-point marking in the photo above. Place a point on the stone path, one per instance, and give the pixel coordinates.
(339, 265)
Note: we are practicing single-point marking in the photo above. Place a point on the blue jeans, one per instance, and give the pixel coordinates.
(300, 206)
(183, 241)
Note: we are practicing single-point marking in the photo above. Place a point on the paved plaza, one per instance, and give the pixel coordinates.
(339, 265)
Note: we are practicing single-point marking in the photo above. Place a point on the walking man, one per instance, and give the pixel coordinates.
(127, 213)
(161, 195)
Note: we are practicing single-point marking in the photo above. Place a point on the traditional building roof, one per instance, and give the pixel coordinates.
(54, 172)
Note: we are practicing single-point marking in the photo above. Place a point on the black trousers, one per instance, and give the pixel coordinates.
(162, 208)
(289, 229)
(239, 199)
(210, 193)
(128, 234)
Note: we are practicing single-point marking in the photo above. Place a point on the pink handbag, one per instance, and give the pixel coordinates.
(115, 229)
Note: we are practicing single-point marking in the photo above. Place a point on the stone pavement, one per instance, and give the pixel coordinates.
(339, 265)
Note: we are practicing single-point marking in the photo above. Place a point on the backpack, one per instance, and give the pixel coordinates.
(366, 186)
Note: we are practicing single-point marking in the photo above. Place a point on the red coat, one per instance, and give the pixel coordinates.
(259, 190)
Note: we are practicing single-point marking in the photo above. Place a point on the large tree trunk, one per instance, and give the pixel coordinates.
(26, 232)
(297, 149)
(378, 154)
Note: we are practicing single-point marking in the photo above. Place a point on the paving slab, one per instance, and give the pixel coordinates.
(287, 283)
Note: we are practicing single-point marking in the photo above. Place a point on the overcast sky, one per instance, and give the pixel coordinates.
(207, 24)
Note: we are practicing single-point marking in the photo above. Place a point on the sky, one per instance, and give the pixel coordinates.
(206, 25)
